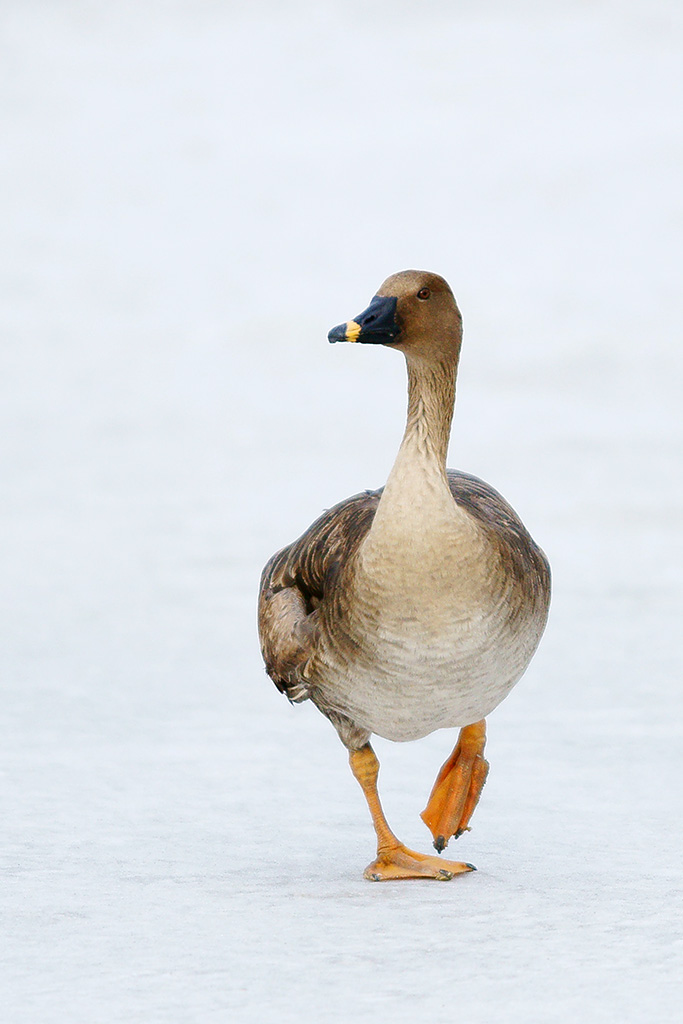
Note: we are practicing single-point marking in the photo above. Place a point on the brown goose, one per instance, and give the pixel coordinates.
(415, 607)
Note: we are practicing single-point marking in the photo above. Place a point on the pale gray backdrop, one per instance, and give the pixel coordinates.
(192, 194)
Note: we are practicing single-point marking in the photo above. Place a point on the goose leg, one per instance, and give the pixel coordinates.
(394, 860)
(458, 787)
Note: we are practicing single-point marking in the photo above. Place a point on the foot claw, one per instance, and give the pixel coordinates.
(439, 844)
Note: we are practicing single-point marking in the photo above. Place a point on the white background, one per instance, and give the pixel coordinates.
(192, 194)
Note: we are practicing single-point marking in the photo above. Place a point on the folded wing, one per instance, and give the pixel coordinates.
(298, 579)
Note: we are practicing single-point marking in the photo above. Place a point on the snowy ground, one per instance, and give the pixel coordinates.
(193, 193)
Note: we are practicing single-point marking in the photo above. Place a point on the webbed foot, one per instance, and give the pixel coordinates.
(400, 862)
(458, 787)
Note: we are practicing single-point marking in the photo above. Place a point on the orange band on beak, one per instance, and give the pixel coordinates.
(352, 330)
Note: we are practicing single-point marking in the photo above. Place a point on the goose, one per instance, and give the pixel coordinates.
(414, 607)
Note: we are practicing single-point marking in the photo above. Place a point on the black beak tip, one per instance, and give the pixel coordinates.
(337, 334)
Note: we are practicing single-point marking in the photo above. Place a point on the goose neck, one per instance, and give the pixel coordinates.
(431, 400)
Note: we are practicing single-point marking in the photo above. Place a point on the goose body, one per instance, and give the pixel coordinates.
(418, 606)
(429, 634)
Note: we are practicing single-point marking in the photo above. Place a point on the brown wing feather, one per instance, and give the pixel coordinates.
(297, 579)
(524, 561)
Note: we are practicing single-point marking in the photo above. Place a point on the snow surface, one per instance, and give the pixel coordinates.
(192, 194)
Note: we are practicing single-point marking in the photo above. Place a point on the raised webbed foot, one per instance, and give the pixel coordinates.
(458, 787)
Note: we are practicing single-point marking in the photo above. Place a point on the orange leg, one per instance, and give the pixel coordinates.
(458, 787)
(394, 860)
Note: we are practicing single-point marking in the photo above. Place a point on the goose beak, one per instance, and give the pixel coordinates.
(377, 325)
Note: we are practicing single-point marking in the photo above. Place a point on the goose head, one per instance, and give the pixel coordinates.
(413, 311)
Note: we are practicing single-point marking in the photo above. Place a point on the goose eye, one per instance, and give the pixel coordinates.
(423, 293)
